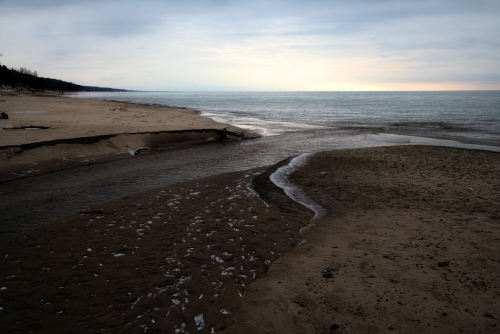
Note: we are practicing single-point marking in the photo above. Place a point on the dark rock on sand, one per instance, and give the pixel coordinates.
(4, 115)
(327, 273)
(334, 327)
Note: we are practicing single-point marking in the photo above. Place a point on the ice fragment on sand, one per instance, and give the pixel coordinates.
(135, 302)
(199, 321)
(3, 288)
(119, 254)
(181, 329)
(216, 258)
(176, 301)
(183, 279)
(224, 311)
(89, 249)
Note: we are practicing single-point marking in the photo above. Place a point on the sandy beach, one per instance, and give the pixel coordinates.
(409, 244)
(249, 167)
(46, 133)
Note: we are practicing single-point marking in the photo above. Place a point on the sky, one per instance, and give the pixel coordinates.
(232, 45)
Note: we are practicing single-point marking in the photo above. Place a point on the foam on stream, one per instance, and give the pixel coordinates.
(280, 179)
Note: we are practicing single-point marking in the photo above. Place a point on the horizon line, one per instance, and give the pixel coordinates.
(300, 91)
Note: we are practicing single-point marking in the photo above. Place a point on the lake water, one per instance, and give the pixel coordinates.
(465, 116)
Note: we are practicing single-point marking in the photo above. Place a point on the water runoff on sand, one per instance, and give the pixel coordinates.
(281, 179)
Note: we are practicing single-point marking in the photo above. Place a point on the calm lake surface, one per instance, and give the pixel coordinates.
(469, 116)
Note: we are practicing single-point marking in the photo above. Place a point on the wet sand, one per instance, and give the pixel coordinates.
(153, 260)
(409, 244)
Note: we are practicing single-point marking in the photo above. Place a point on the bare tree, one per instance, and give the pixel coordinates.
(24, 70)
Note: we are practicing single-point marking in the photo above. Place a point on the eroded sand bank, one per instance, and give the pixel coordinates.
(409, 244)
(49, 132)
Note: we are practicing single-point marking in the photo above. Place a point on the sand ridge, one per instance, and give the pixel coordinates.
(47, 133)
(62, 118)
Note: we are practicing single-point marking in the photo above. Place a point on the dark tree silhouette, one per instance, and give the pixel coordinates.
(27, 79)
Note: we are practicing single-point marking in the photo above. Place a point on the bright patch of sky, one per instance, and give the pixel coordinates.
(257, 45)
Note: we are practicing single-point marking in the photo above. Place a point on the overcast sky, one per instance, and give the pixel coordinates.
(257, 45)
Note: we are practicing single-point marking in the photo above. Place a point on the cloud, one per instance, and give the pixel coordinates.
(245, 43)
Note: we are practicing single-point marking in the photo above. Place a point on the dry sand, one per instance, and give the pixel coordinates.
(45, 133)
(410, 245)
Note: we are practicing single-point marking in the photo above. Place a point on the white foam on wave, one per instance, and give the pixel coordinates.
(281, 180)
(263, 127)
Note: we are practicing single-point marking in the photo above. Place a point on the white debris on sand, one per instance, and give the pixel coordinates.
(199, 321)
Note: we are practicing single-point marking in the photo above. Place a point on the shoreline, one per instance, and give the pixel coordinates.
(445, 128)
(163, 249)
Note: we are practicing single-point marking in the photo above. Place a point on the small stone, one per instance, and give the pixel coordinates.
(334, 327)
(327, 273)
(488, 315)
(443, 264)
(4, 115)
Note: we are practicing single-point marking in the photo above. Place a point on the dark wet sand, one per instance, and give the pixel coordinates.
(410, 244)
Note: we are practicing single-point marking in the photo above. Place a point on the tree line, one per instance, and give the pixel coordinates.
(24, 78)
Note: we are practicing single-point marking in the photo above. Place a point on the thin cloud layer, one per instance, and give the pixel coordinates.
(258, 45)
